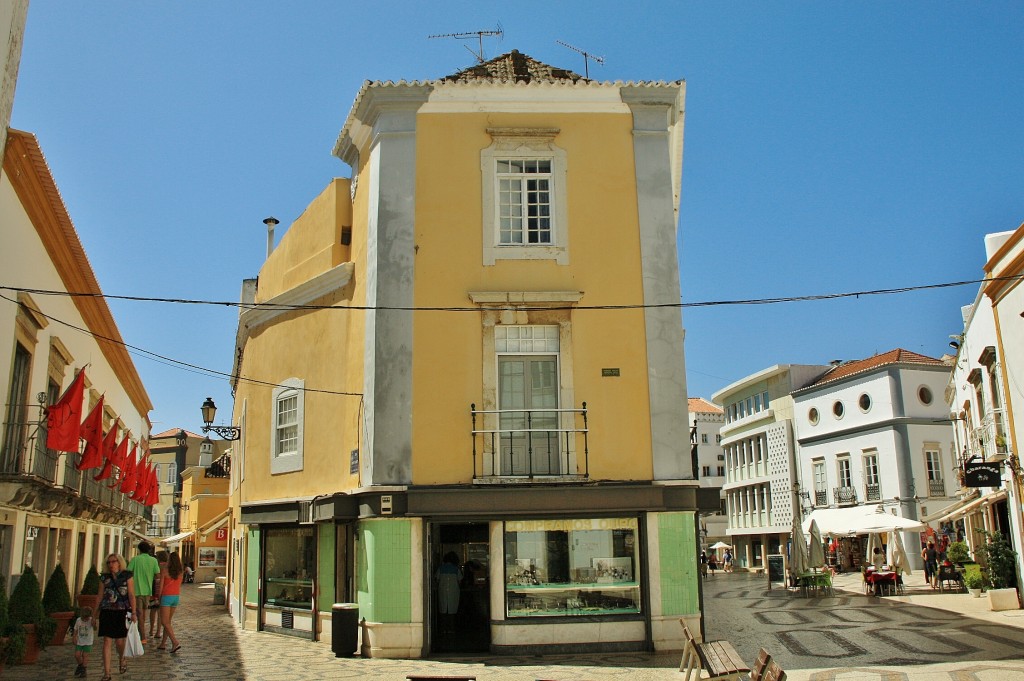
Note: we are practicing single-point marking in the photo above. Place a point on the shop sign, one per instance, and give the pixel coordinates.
(982, 474)
(569, 524)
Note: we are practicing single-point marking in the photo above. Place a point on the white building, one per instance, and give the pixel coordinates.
(759, 447)
(706, 421)
(50, 512)
(876, 431)
(983, 389)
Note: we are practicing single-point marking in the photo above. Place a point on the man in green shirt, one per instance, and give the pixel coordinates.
(144, 567)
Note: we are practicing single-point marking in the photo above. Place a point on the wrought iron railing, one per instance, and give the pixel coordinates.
(530, 442)
(845, 495)
(936, 488)
(990, 439)
(820, 497)
(872, 493)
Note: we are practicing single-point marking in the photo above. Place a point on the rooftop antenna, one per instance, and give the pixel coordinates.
(469, 35)
(586, 58)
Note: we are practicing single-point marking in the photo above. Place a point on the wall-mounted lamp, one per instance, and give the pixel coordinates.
(209, 410)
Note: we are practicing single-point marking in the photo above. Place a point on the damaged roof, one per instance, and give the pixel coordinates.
(514, 66)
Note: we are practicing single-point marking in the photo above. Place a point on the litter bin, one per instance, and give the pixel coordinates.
(344, 629)
(218, 590)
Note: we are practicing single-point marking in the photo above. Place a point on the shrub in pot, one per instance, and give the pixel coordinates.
(25, 609)
(89, 595)
(957, 552)
(12, 638)
(1001, 568)
(57, 603)
(973, 581)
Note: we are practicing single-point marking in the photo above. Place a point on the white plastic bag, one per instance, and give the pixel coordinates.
(133, 645)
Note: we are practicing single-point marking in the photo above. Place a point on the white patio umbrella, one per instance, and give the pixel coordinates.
(816, 554)
(869, 551)
(899, 554)
(721, 545)
(798, 552)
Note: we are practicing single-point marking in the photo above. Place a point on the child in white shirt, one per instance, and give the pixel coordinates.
(84, 631)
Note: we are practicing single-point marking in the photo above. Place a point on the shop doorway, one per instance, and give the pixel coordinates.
(460, 588)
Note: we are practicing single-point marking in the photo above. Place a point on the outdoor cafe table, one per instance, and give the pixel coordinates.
(815, 581)
(880, 579)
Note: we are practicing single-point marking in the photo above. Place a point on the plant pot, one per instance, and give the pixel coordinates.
(1003, 599)
(63, 622)
(90, 600)
(31, 655)
(975, 592)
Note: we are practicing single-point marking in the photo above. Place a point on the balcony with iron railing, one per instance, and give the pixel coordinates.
(820, 497)
(844, 496)
(530, 443)
(936, 488)
(872, 493)
(989, 440)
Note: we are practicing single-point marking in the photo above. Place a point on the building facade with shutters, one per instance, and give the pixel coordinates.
(49, 511)
(470, 374)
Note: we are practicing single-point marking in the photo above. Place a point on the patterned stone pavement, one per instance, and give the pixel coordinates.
(849, 637)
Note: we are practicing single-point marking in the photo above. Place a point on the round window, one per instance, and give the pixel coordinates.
(864, 402)
(924, 394)
(812, 416)
(837, 409)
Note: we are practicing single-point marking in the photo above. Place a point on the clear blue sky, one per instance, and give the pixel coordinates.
(829, 147)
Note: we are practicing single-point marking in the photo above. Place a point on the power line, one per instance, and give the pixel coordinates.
(177, 363)
(512, 306)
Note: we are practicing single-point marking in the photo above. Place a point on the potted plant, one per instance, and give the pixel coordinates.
(25, 609)
(973, 582)
(57, 604)
(90, 593)
(957, 553)
(1001, 566)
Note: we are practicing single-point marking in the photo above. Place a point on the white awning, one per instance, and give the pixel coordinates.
(215, 522)
(138, 535)
(853, 520)
(177, 538)
(975, 505)
(942, 513)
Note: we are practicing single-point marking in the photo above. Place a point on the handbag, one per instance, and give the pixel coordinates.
(133, 645)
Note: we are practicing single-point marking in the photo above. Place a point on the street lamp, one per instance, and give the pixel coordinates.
(209, 410)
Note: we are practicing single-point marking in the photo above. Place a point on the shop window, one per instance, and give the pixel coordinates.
(571, 567)
(289, 567)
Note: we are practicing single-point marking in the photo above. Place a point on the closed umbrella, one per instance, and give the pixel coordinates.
(899, 554)
(798, 554)
(816, 555)
(869, 551)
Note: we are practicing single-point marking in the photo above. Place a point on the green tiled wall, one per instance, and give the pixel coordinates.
(678, 564)
(325, 566)
(384, 569)
(252, 565)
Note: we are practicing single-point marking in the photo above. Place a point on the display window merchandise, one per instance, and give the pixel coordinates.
(290, 567)
(566, 567)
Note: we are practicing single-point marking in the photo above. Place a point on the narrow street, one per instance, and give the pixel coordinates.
(917, 637)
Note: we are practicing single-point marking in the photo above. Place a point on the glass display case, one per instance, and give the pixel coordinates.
(571, 567)
(289, 567)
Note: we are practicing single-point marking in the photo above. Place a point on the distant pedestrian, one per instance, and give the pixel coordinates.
(144, 568)
(84, 630)
(169, 599)
(931, 563)
(703, 563)
(712, 564)
(728, 561)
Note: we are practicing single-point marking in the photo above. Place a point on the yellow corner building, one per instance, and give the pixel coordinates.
(461, 385)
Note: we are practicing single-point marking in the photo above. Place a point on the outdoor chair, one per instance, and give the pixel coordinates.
(949, 578)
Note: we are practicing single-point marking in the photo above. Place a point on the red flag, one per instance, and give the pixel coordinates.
(128, 479)
(104, 472)
(109, 444)
(92, 433)
(154, 490)
(64, 417)
(121, 453)
(138, 494)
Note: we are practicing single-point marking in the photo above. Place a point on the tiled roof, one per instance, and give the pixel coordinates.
(514, 66)
(702, 406)
(897, 356)
(174, 431)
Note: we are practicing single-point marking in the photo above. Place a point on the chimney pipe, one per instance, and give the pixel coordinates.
(270, 222)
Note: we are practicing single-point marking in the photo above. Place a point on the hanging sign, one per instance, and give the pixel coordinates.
(982, 474)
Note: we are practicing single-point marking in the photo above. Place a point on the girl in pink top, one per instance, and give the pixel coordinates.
(170, 592)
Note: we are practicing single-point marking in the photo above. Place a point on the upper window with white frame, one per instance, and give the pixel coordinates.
(286, 426)
(524, 203)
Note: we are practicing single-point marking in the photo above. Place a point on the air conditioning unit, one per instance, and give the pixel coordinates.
(305, 512)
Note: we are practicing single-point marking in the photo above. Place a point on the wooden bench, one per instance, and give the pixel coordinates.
(718, 658)
(766, 669)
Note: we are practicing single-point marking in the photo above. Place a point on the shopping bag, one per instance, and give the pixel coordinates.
(133, 645)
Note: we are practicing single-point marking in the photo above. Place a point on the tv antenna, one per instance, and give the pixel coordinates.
(469, 35)
(586, 58)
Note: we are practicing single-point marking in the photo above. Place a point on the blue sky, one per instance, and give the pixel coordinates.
(829, 147)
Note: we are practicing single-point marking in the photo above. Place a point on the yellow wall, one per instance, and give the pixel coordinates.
(323, 347)
(604, 257)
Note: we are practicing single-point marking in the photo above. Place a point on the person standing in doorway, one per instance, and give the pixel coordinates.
(448, 590)
(144, 569)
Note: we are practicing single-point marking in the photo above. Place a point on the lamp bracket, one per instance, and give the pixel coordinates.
(224, 432)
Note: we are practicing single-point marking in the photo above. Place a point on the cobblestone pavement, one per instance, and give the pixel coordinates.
(851, 637)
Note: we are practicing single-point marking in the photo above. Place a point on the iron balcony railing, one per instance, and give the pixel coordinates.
(820, 497)
(872, 493)
(530, 442)
(990, 439)
(31, 458)
(845, 495)
(936, 488)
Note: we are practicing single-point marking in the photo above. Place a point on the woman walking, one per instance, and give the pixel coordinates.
(170, 590)
(117, 605)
